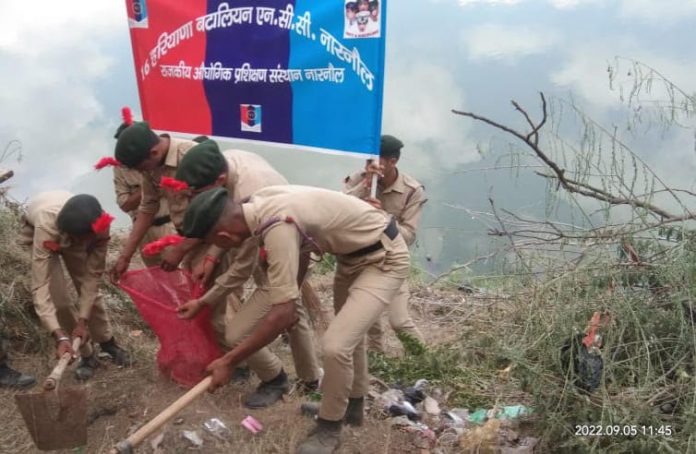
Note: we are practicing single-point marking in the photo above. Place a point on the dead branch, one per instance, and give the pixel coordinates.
(571, 185)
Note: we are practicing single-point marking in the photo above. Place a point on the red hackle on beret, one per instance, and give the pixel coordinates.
(102, 223)
(173, 184)
(106, 162)
(156, 247)
(127, 115)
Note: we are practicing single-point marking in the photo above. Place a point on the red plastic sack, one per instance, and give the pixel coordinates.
(186, 346)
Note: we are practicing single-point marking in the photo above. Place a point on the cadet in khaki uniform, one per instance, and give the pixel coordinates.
(127, 184)
(243, 173)
(76, 229)
(291, 222)
(403, 197)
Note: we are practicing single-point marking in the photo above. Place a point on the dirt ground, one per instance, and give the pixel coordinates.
(121, 400)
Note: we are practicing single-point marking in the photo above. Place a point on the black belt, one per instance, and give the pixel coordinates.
(391, 231)
(161, 220)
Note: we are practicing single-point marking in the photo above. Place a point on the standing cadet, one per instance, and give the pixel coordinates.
(403, 197)
(59, 225)
(127, 183)
(138, 147)
(9, 377)
(243, 173)
(291, 222)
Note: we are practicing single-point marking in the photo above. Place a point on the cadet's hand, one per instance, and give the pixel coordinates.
(374, 202)
(81, 330)
(171, 257)
(120, 267)
(64, 347)
(189, 310)
(372, 168)
(221, 372)
(204, 270)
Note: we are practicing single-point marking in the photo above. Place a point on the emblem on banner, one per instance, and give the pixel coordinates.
(137, 14)
(251, 117)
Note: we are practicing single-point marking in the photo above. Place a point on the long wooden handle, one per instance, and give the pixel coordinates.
(161, 419)
(52, 380)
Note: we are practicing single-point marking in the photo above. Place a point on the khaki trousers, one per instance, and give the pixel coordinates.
(399, 319)
(233, 321)
(364, 288)
(66, 310)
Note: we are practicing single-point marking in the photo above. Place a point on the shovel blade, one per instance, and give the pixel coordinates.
(55, 419)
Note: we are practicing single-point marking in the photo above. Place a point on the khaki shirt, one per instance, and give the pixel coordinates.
(153, 194)
(330, 221)
(46, 242)
(126, 182)
(247, 173)
(404, 200)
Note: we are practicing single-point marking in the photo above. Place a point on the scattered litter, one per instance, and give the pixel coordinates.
(193, 437)
(403, 423)
(513, 412)
(178, 421)
(404, 408)
(252, 424)
(431, 406)
(390, 397)
(455, 419)
(217, 428)
(414, 395)
(479, 416)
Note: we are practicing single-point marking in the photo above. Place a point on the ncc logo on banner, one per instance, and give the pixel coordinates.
(137, 14)
(251, 117)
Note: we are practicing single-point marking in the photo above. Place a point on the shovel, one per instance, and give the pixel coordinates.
(129, 444)
(57, 416)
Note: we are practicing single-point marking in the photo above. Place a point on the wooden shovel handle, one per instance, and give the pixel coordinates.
(161, 419)
(52, 380)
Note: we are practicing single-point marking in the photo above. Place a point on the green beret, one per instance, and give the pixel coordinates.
(204, 212)
(78, 214)
(390, 147)
(201, 165)
(200, 139)
(134, 143)
(120, 129)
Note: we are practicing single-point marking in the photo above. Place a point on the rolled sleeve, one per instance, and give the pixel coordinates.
(150, 201)
(40, 279)
(237, 274)
(122, 188)
(95, 264)
(282, 244)
(409, 218)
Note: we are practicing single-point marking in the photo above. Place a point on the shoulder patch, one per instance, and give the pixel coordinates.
(51, 246)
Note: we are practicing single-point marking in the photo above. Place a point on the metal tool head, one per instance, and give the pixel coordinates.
(55, 419)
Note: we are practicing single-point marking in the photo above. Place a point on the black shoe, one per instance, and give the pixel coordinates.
(10, 378)
(355, 411)
(269, 392)
(86, 366)
(324, 439)
(119, 356)
(354, 415)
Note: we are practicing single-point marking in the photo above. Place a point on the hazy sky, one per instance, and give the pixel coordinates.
(66, 69)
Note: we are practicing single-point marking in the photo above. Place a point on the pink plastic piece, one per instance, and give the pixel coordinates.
(252, 424)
